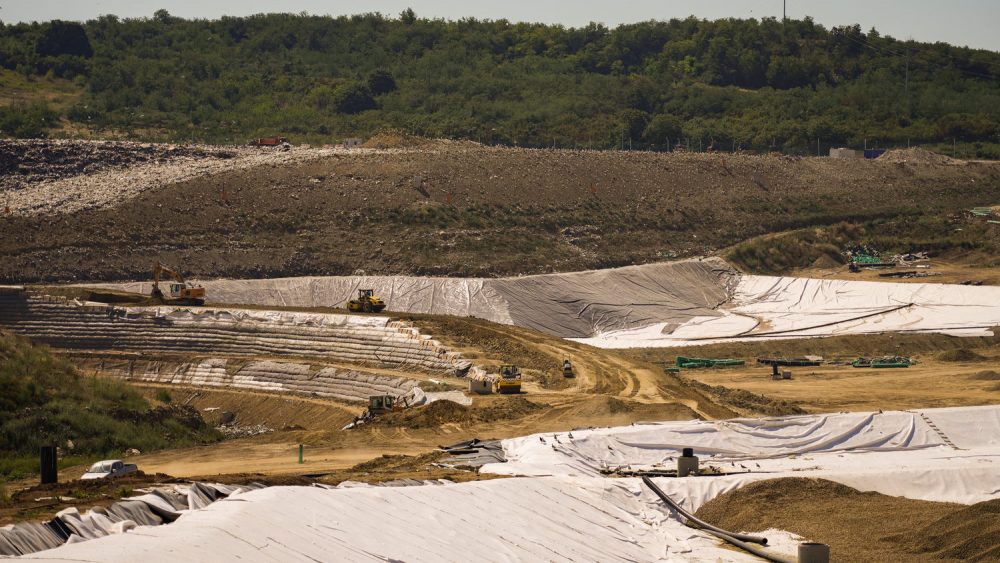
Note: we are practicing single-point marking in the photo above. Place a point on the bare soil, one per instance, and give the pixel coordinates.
(459, 209)
(861, 526)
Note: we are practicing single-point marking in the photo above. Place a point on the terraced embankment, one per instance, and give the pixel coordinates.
(209, 341)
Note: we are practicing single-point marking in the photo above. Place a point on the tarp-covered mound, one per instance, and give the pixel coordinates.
(578, 304)
(933, 454)
(785, 307)
(554, 519)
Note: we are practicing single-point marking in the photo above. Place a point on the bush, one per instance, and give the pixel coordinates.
(163, 396)
(45, 401)
(27, 120)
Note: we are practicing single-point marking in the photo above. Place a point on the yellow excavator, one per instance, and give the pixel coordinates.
(367, 302)
(180, 291)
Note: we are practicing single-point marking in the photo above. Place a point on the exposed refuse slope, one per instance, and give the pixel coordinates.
(441, 209)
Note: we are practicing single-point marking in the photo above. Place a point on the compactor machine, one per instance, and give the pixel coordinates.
(367, 302)
(179, 292)
(378, 405)
(509, 382)
(568, 368)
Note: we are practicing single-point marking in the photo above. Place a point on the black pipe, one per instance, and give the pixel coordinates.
(739, 540)
(701, 523)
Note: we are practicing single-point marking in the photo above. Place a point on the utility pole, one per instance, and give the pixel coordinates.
(784, 10)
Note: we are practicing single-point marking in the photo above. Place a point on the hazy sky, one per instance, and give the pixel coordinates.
(975, 23)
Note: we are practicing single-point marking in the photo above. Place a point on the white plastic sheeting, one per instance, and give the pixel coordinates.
(666, 304)
(568, 512)
(70, 526)
(902, 453)
(553, 519)
(577, 304)
(783, 307)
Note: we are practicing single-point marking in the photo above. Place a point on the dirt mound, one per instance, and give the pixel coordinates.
(515, 407)
(445, 412)
(395, 140)
(961, 355)
(987, 375)
(185, 415)
(916, 156)
(838, 515)
(744, 400)
(971, 533)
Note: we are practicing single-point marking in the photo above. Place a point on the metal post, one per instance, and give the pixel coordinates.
(301, 450)
(49, 465)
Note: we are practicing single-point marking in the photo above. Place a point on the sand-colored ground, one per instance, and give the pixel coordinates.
(939, 271)
(844, 388)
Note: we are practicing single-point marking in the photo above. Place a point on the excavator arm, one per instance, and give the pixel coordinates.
(184, 293)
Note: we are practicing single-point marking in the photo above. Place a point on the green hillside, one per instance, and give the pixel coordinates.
(756, 84)
(47, 402)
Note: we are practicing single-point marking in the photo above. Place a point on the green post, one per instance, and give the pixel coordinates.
(301, 448)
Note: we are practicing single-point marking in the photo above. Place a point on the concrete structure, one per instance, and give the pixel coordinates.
(844, 153)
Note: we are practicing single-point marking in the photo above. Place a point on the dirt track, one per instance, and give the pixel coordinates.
(456, 209)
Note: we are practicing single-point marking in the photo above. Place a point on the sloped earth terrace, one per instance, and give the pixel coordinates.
(254, 350)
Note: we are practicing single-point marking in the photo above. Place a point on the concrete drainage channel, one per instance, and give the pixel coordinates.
(207, 334)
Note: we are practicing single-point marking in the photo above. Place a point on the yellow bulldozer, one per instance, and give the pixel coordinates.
(179, 292)
(378, 405)
(367, 302)
(509, 382)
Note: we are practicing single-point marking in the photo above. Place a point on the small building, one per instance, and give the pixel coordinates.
(480, 386)
(352, 143)
(844, 153)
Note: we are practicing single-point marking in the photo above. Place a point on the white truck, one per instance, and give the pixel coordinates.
(109, 468)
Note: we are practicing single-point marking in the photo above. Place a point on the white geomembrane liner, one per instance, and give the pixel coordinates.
(782, 307)
(653, 305)
(568, 512)
(897, 452)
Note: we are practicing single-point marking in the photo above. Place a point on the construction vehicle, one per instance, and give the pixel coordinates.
(509, 382)
(367, 302)
(568, 368)
(378, 405)
(268, 142)
(181, 292)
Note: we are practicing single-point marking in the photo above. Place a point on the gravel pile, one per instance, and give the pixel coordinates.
(916, 156)
(231, 432)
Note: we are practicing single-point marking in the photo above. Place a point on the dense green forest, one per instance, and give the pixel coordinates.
(760, 84)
